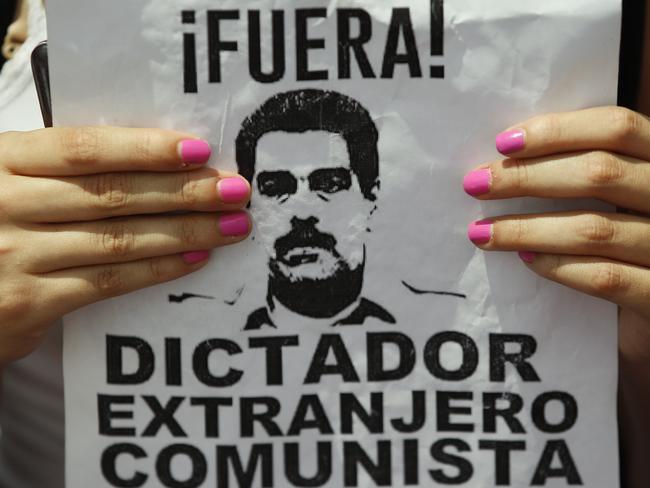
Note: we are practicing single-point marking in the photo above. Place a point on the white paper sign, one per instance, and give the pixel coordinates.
(357, 338)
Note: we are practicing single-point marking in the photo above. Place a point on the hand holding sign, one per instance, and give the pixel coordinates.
(599, 153)
(81, 220)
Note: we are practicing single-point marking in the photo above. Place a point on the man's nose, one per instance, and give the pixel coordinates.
(304, 203)
(304, 211)
(297, 222)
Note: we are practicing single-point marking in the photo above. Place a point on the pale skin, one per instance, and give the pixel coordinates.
(80, 220)
(602, 153)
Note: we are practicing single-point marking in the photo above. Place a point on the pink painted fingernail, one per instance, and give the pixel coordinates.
(477, 182)
(480, 232)
(194, 151)
(232, 190)
(527, 256)
(511, 141)
(195, 257)
(234, 224)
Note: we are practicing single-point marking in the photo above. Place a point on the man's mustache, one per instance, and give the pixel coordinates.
(304, 235)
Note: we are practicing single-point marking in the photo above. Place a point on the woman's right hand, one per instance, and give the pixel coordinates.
(81, 220)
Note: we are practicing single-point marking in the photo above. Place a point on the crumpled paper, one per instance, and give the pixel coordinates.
(456, 367)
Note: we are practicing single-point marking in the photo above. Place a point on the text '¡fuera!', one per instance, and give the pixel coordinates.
(279, 43)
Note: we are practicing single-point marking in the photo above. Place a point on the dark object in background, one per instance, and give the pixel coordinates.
(7, 13)
(631, 51)
(41, 72)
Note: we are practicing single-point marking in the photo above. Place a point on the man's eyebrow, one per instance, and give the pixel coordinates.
(333, 168)
(330, 171)
(274, 171)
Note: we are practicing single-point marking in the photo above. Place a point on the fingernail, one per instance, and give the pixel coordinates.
(232, 190)
(511, 141)
(234, 225)
(477, 182)
(480, 232)
(195, 257)
(194, 151)
(527, 256)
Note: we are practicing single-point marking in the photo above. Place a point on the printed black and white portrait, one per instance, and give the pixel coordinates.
(313, 162)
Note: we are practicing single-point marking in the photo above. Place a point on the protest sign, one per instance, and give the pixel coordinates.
(357, 338)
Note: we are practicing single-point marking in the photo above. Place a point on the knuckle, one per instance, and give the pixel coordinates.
(81, 145)
(521, 172)
(144, 144)
(109, 281)
(110, 191)
(158, 270)
(9, 203)
(519, 231)
(603, 168)
(118, 240)
(609, 280)
(16, 302)
(14, 253)
(597, 229)
(553, 267)
(188, 192)
(7, 246)
(624, 123)
(188, 231)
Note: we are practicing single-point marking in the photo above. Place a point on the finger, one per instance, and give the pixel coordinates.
(94, 197)
(70, 289)
(130, 239)
(624, 284)
(91, 150)
(616, 236)
(614, 129)
(617, 179)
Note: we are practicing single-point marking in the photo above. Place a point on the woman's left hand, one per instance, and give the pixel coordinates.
(601, 153)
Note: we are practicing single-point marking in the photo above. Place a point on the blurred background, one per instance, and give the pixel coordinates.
(7, 11)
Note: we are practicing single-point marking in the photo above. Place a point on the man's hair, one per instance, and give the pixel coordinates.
(313, 110)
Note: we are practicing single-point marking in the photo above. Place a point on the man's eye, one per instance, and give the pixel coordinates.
(276, 183)
(330, 180)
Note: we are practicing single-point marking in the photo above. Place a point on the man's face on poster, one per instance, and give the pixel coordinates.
(311, 212)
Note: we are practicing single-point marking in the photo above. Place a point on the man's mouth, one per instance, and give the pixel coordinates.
(302, 255)
(304, 244)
